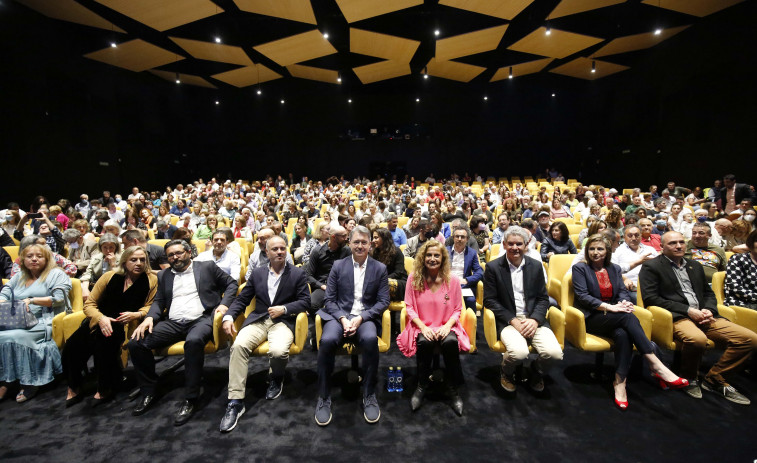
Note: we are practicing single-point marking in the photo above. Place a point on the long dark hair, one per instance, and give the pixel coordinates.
(385, 253)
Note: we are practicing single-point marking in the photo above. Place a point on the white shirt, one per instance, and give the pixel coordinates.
(516, 277)
(229, 262)
(458, 264)
(273, 283)
(624, 257)
(359, 274)
(186, 304)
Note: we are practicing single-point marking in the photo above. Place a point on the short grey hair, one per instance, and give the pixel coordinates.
(360, 230)
(391, 216)
(161, 224)
(518, 231)
(27, 241)
(108, 238)
(71, 235)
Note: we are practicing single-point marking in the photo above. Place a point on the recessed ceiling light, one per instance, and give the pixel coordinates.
(259, 92)
(437, 32)
(218, 39)
(486, 98)
(425, 76)
(339, 79)
(658, 31)
(282, 101)
(218, 102)
(553, 95)
(325, 35)
(548, 31)
(417, 100)
(113, 44)
(349, 101)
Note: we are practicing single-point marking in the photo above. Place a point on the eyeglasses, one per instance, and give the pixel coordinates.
(175, 254)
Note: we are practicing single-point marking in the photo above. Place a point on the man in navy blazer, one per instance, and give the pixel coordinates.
(465, 264)
(515, 291)
(188, 295)
(281, 293)
(357, 319)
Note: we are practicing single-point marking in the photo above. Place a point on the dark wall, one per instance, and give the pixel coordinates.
(685, 110)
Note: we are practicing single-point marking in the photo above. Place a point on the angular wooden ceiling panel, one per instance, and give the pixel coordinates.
(382, 45)
(568, 7)
(357, 10)
(693, 7)
(294, 10)
(297, 48)
(636, 42)
(162, 15)
(581, 69)
(214, 51)
(453, 70)
(135, 55)
(521, 69)
(504, 9)
(470, 43)
(558, 44)
(248, 75)
(312, 73)
(382, 70)
(71, 11)
(183, 78)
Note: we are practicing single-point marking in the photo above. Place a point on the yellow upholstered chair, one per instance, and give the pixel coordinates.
(396, 306)
(64, 325)
(575, 324)
(575, 228)
(743, 316)
(174, 220)
(556, 323)
(402, 221)
(161, 242)
(213, 345)
(493, 252)
(300, 330)
(574, 239)
(558, 266)
(200, 245)
(468, 320)
(12, 252)
(351, 349)
(566, 220)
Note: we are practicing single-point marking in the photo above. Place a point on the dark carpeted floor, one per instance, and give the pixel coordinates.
(574, 420)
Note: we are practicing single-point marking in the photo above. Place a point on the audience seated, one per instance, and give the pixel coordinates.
(741, 276)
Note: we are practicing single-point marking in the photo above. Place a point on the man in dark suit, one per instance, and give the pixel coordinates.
(465, 265)
(357, 320)
(165, 230)
(679, 286)
(281, 293)
(188, 295)
(733, 193)
(515, 290)
(155, 254)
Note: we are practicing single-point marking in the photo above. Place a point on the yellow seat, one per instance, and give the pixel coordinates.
(161, 242)
(349, 348)
(402, 221)
(493, 252)
(468, 320)
(556, 323)
(396, 306)
(574, 228)
(200, 245)
(64, 325)
(300, 330)
(742, 316)
(174, 220)
(566, 220)
(12, 252)
(212, 345)
(558, 266)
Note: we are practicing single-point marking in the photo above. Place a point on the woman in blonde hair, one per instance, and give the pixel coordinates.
(434, 303)
(30, 356)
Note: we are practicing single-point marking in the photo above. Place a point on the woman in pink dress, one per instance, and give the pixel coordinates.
(434, 303)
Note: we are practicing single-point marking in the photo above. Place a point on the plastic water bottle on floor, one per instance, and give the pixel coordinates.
(391, 378)
(398, 380)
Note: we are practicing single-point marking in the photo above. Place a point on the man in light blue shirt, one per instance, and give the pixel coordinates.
(398, 235)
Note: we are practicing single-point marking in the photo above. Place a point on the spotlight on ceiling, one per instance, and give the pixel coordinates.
(437, 32)
(349, 101)
(260, 92)
(218, 39)
(218, 102)
(548, 31)
(282, 101)
(553, 95)
(113, 45)
(486, 98)
(417, 100)
(593, 67)
(511, 73)
(658, 31)
(325, 35)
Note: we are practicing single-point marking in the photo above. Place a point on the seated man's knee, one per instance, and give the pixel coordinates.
(517, 354)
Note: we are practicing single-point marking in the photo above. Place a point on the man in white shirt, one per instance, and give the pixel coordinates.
(259, 258)
(226, 260)
(630, 255)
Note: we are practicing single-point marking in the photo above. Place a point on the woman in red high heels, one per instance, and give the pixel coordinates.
(604, 300)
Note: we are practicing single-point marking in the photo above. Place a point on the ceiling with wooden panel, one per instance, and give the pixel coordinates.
(232, 44)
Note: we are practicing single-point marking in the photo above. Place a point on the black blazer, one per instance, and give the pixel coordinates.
(292, 293)
(498, 292)
(741, 192)
(660, 287)
(213, 285)
(397, 268)
(586, 287)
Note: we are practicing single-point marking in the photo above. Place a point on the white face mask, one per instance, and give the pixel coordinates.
(73, 245)
(749, 218)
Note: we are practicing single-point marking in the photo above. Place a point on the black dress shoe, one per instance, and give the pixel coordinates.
(144, 404)
(457, 401)
(417, 399)
(185, 412)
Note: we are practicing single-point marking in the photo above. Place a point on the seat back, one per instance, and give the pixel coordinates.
(718, 286)
(75, 295)
(12, 252)
(558, 265)
(566, 291)
(409, 263)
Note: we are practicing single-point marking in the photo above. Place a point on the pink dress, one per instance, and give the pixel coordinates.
(434, 310)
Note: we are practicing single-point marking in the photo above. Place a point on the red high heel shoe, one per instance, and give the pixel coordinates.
(621, 405)
(679, 383)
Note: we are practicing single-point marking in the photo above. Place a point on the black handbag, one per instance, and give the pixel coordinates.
(15, 314)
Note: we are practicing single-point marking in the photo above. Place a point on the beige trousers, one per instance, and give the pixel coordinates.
(544, 342)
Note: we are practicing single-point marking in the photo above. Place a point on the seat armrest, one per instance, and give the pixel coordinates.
(490, 328)
(575, 327)
(557, 324)
(662, 327)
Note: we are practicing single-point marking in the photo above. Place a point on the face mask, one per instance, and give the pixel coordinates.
(482, 227)
(702, 219)
(749, 218)
(73, 245)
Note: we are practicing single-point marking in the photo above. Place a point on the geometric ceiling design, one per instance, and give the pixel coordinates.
(581, 69)
(357, 10)
(693, 7)
(232, 44)
(503, 9)
(211, 51)
(183, 78)
(69, 10)
(297, 48)
(135, 55)
(569, 7)
(470, 43)
(636, 42)
(521, 69)
(162, 15)
(453, 70)
(248, 75)
(294, 10)
(557, 44)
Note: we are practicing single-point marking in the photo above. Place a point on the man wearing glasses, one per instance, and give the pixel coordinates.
(183, 309)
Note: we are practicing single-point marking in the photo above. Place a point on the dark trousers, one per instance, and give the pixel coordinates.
(86, 343)
(470, 303)
(332, 339)
(625, 330)
(424, 356)
(316, 301)
(195, 335)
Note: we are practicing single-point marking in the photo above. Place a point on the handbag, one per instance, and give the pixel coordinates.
(15, 314)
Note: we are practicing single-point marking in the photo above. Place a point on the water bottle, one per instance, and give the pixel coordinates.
(398, 380)
(391, 378)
